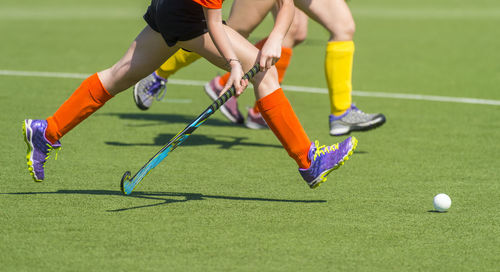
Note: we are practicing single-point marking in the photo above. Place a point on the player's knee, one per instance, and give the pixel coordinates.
(298, 29)
(345, 32)
(300, 36)
(350, 29)
(266, 81)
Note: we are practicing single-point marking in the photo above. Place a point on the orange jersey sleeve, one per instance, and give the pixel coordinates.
(211, 4)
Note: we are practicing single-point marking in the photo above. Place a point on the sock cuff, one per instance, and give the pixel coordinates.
(347, 46)
(97, 90)
(272, 100)
(158, 75)
(51, 132)
(256, 107)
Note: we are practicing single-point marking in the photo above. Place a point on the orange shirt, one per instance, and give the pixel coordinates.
(211, 4)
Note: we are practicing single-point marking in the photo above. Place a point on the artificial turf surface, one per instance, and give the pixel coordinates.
(230, 199)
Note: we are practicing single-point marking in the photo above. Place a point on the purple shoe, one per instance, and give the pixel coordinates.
(230, 108)
(38, 147)
(325, 159)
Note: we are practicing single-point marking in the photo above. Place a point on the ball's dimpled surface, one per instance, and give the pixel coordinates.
(442, 202)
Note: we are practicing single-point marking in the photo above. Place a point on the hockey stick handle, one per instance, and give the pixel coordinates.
(231, 92)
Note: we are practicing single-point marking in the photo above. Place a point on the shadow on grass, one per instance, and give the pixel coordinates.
(163, 197)
(224, 141)
(171, 118)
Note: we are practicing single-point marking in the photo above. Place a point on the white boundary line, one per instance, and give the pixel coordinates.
(303, 89)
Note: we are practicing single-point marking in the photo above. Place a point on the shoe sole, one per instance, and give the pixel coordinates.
(211, 93)
(138, 102)
(253, 125)
(29, 144)
(323, 177)
(366, 126)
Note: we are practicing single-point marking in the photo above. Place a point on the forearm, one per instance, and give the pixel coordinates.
(218, 34)
(223, 44)
(284, 18)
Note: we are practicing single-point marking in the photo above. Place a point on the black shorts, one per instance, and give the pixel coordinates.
(176, 20)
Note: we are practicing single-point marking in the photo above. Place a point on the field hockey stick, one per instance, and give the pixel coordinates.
(129, 183)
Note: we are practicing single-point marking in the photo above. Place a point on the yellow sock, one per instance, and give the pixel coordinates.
(180, 59)
(338, 70)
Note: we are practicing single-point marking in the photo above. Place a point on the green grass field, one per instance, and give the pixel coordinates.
(231, 199)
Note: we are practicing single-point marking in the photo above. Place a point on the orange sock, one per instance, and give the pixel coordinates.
(223, 79)
(281, 65)
(283, 62)
(261, 43)
(279, 115)
(256, 107)
(87, 99)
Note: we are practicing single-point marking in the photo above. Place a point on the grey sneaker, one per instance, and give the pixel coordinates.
(152, 86)
(354, 120)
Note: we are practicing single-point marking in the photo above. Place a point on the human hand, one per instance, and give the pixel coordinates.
(270, 53)
(235, 79)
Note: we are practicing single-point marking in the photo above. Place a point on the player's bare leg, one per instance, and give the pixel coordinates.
(335, 16)
(253, 12)
(146, 52)
(315, 161)
(144, 55)
(295, 35)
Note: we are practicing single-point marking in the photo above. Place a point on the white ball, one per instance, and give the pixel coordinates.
(442, 202)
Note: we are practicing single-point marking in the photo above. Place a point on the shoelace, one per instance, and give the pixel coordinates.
(161, 92)
(50, 148)
(158, 92)
(357, 110)
(360, 112)
(322, 150)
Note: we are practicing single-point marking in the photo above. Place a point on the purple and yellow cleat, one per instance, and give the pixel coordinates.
(324, 159)
(39, 147)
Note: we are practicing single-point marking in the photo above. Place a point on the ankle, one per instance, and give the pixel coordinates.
(50, 132)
